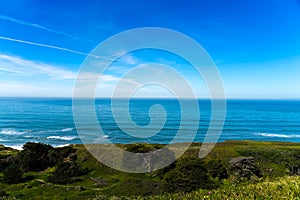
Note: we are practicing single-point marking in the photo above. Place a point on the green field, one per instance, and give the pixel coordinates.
(233, 170)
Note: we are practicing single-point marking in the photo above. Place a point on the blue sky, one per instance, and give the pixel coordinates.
(255, 44)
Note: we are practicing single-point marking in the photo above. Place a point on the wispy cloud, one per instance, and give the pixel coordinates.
(18, 66)
(128, 59)
(23, 77)
(47, 46)
(38, 26)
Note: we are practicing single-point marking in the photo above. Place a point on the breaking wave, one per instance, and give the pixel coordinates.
(278, 135)
(10, 131)
(67, 138)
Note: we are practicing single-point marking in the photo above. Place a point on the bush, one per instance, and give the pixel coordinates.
(142, 148)
(12, 174)
(217, 169)
(146, 156)
(56, 155)
(34, 157)
(3, 164)
(3, 194)
(66, 172)
(189, 174)
(38, 156)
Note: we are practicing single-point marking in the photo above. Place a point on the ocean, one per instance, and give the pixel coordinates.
(50, 120)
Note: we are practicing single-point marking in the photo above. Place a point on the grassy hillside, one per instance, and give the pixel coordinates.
(282, 188)
(233, 170)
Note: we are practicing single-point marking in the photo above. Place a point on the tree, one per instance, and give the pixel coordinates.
(34, 157)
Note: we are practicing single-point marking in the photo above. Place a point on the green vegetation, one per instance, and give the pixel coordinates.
(281, 188)
(34, 157)
(233, 170)
(188, 175)
(12, 174)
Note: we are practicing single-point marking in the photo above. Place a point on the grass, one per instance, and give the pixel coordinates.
(6, 151)
(276, 160)
(282, 188)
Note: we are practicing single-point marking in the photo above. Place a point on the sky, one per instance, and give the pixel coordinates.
(254, 43)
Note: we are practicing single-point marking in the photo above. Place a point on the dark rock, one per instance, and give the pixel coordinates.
(244, 168)
(293, 169)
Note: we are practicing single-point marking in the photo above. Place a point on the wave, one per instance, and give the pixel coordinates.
(66, 130)
(10, 131)
(278, 135)
(29, 136)
(68, 138)
(54, 131)
(59, 130)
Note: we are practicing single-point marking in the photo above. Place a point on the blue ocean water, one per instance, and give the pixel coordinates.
(51, 120)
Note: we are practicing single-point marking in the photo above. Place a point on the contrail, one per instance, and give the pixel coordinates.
(38, 26)
(48, 46)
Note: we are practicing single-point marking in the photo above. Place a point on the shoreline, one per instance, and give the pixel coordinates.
(265, 142)
(241, 163)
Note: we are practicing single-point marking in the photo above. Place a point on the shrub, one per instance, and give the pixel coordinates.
(146, 156)
(38, 156)
(217, 169)
(12, 174)
(56, 155)
(66, 172)
(188, 175)
(3, 194)
(34, 157)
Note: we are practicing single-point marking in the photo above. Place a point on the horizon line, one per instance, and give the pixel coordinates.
(148, 98)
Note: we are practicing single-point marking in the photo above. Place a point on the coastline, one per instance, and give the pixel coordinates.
(246, 143)
(19, 147)
(231, 165)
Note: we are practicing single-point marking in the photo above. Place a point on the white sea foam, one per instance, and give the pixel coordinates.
(63, 145)
(29, 136)
(66, 129)
(278, 135)
(18, 147)
(10, 131)
(68, 138)
(61, 130)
